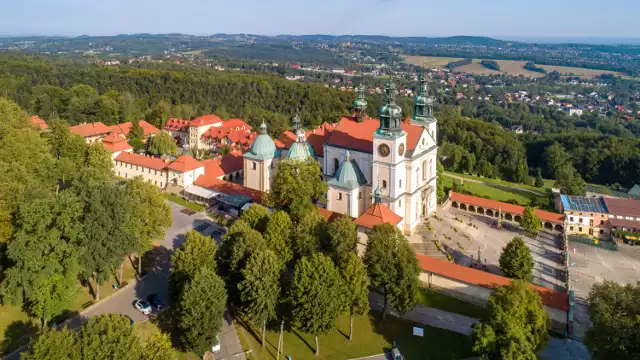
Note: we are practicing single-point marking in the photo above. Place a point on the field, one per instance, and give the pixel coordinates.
(511, 67)
(371, 336)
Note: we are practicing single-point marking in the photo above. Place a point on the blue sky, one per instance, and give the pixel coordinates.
(507, 18)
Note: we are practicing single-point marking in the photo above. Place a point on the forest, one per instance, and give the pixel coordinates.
(471, 135)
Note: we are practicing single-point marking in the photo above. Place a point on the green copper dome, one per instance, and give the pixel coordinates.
(349, 175)
(390, 113)
(263, 147)
(301, 151)
(423, 104)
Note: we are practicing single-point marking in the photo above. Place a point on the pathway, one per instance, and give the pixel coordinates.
(557, 349)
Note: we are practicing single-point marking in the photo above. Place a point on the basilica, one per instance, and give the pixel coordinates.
(377, 170)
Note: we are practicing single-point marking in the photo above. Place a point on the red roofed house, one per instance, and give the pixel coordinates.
(188, 133)
(39, 123)
(125, 128)
(92, 132)
(116, 143)
(234, 132)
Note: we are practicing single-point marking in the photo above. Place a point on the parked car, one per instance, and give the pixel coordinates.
(155, 301)
(143, 307)
(216, 345)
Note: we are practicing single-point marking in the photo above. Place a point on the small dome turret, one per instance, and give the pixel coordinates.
(263, 146)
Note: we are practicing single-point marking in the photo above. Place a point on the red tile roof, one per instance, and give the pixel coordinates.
(174, 124)
(629, 224)
(115, 142)
(41, 124)
(328, 215)
(551, 298)
(228, 187)
(623, 207)
(506, 207)
(125, 128)
(359, 135)
(316, 138)
(206, 120)
(378, 214)
(184, 163)
(218, 167)
(141, 160)
(91, 129)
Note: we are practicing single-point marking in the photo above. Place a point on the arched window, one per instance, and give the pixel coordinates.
(384, 184)
(336, 165)
(231, 177)
(400, 184)
(430, 168)
(424, 170)
(418, 177)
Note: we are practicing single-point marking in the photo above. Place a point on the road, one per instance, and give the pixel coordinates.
(121, 302)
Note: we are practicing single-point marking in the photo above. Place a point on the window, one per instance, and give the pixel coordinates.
(149, 171)
(155, 172)
(424, 170)
(570, 218)
(571, 228)
(160, 183)
(384, 184)
(400, 183)
(601, 222)
(336, 165)
(360, 195)
(430, 168)
(601, 231)
(590, 222)
(399, 203)
(253, 165)
(580, 229)
(339, 196)
(118, 173)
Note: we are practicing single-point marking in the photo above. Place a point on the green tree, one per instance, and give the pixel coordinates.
(341, 239)
(516, 261)
(256, 217)
(159, 114)
(69, 150)
(277, 234)
(260, 288)
(200, 310)
(569, 181)
(83, 104)
(158, 347)
(136, 136)
(150, 215)
(615, 314)
(393, 268)
(197, 252)
(53, 344)
(530, 221)
(308, 232)
(555, 158)
(354, 275)
(162, 144)
(44, 256)
(13, 117)
(516, 325)
(109, 336)
(539, 181)
(440, 193)
(316, 295)
(295, 186)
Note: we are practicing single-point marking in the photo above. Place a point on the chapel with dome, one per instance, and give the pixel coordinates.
(377, 170)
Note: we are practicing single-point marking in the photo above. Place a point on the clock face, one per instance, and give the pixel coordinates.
(384, 150)
(401, 149)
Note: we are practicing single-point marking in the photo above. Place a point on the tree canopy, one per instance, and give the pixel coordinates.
(516, 325)
(614, 310)
(161, 144)
(515, 260)
(393, 268)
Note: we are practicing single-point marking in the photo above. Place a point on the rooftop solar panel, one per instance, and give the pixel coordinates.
(584, 204)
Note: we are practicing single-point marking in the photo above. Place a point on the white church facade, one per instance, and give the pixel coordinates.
(377, 170)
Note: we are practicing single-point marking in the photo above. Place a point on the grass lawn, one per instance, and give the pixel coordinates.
(548, 183)
(371, 336)
(16, 327)
(438, 300)
(180, 201)
(523, 198)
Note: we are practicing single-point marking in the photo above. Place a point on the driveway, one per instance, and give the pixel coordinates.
(122, 301)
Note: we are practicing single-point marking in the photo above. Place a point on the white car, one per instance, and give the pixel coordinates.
(143, 307)
(216, 345)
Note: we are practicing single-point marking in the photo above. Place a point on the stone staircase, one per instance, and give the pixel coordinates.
(427, 247)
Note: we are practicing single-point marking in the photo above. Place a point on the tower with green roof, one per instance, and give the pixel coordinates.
(300, 150)
(259, 161)
(423, 107)
(360, 104)
(345, 190)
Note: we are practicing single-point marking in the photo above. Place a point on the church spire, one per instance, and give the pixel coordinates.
(390, 113)
(423, 103)
(297, 124)
(360, 104)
